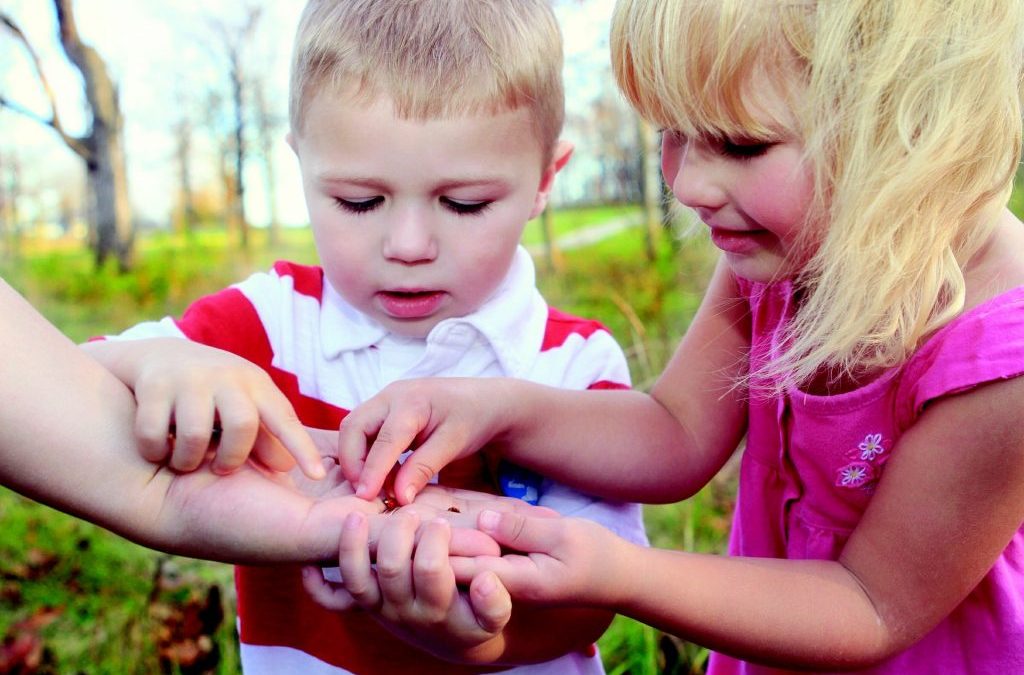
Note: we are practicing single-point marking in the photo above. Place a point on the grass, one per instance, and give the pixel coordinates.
(95, 603)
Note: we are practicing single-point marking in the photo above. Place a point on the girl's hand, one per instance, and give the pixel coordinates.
(555, 560)
(442, 419)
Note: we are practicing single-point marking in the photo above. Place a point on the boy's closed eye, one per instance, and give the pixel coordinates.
(465, 206)
(361, 205)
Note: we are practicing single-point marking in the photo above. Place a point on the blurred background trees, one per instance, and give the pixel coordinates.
(178, 119)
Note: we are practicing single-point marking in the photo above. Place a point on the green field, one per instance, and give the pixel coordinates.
(74, 598)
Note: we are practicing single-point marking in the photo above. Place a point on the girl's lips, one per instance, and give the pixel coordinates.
(410, 304)
(738, 241)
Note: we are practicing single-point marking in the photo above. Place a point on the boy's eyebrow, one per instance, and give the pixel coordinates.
(445, 184)
(348, 180)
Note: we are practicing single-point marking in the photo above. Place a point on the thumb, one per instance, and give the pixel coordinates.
(521, 533)
(491, 603)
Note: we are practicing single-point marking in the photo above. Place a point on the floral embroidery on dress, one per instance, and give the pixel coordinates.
(855, 474)
(871, 447)
(868, 458)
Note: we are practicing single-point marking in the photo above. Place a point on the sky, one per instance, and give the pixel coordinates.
(163, 56)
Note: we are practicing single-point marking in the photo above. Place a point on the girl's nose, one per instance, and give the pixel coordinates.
(410, 238)
(693, 177)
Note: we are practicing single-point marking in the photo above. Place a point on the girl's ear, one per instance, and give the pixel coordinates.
(559, 158)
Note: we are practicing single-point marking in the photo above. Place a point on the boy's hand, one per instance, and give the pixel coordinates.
(444, 419)
(193, 399)
(412, 591)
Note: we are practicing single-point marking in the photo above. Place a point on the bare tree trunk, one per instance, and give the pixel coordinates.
(235, 42)
(8, 202)
(266, 126)
(238, 97)
(102, 149)
(187, 217)
(108, 178)
(653, 193)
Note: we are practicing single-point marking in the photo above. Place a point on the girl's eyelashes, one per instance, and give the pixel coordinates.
(743, 148)
(465, 208)
(359, 205)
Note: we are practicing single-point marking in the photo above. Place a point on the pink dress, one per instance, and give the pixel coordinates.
(811, 464)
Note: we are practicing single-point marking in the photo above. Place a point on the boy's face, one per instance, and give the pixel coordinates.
(415, 221)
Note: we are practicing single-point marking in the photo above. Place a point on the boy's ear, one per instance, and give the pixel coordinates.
(559, 158)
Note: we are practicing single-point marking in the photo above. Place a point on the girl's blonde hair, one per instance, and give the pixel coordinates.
(909, 112)
(433, 58)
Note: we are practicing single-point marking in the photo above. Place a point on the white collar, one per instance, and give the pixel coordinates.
(511, 322)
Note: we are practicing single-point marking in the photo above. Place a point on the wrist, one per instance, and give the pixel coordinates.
(511, 421)
(626, 567)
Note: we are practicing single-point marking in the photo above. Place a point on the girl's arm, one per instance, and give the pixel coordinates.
(625, 445)
(950, 500)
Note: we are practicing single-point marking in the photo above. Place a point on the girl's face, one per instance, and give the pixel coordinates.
(753, 195)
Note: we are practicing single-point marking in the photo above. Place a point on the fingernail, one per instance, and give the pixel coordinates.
(489, 520)
(319, 472)
(353, 520)
(410, 495)
(487, 585)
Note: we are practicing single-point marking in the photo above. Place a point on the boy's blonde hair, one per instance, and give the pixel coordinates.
(433, 58)
(910, 115)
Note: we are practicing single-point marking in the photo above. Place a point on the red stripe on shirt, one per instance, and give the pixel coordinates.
(248, 338)
(561, 325)
(306, 279)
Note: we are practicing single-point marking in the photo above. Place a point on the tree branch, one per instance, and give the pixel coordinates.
(78, 145)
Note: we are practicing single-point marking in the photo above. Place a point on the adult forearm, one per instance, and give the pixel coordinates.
(66, 439)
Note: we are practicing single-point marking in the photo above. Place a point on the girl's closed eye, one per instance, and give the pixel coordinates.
(361, 205)
(464, 207)
(743, 148)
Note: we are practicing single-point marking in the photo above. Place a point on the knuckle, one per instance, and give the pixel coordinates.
(423, 471)
(390, 570)
(430, 567)
(245, 422)
(518, 524)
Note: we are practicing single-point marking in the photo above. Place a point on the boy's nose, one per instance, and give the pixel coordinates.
(693, 178)
(410, 239)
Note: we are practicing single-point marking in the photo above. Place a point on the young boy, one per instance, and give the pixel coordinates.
(427, 136)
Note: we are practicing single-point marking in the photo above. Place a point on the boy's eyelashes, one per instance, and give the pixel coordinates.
(456, 206)
(359, 205)
(465, 207)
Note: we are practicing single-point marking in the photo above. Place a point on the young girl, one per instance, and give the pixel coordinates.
(864, 329)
